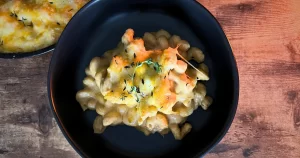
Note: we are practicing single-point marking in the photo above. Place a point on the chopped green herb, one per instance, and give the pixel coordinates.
(24, 18)
(51, 2)
(142, 81)
(133, 88)
(127, 67)
(137, 99)
(157, 67)
(152, 93)
(124, 88)
(132, 64)
(57, 23)
(124, 81)
(134, 56)
(138, 90)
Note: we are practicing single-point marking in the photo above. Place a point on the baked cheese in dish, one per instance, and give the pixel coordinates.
(30, 25)
(146, 83)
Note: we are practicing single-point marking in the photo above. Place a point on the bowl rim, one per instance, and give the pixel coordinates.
(17, 55)
(210, 146)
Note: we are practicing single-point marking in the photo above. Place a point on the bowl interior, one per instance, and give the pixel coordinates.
(98, 27)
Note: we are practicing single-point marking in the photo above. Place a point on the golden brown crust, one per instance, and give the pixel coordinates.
(32, 25)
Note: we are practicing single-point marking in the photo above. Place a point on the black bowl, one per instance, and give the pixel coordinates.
(98, 27)
(27, 54)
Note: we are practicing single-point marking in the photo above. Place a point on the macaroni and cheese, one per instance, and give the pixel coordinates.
(30, 25)
(146, 83)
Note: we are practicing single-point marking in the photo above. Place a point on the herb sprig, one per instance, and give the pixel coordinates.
(156, 66)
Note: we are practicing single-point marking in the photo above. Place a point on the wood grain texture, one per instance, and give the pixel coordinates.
(265, 38)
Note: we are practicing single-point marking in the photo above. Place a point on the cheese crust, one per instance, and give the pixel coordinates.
(30, 25)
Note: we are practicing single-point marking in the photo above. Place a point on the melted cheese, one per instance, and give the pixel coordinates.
(149, 89)
(30, 25)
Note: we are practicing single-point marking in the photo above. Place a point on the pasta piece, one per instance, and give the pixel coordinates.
(199, 93)
(109, 104)
(163, 42)
(184, 45)
(144, 130)
(180, 133)
(90, 83)
(128, 36)
(122, 108)
(99, 97)
(112, 118)
(91, 104)
(145, 112)
(204, 68)
(206, 102)
(97, 64)
(131, 117)
(98, 125)
(165, 131)
(100, 109)
(157, 123)
(182, 54)
(83, 96)
(185, 129)
(175, 119)
(176, 131)
(88, 72)
(163, 33)
(195, 54)
(197, 74)
(150, 40)
(180, 67)
(99, 78)
(182, 110)
(109, 55)
(174, 41)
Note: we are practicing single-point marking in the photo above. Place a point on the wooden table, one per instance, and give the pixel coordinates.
(265, 38)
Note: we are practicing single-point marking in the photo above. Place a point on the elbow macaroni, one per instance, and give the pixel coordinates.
(143, 84)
